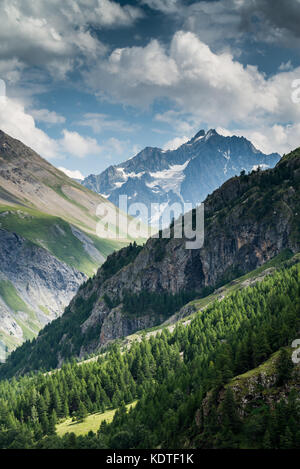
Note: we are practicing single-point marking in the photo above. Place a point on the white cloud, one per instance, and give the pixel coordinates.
(100, 122)
(50, 117)
(181, 122)
(11, 69)
(175, 143)
(213, 88)
(57, 35)
(144, 65)
(269, 139)
(16, 122)
(108, 13)
(286, 66)
(19, 124)
(116, 145)
(166, 6)
(74, 174)
(77, 145)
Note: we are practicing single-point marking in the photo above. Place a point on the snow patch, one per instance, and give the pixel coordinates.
(169, 179)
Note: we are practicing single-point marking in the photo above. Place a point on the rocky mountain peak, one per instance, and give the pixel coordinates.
(187, 174)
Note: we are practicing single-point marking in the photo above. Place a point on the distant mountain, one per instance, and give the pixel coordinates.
(48, 242)
(249, 220)
(187, 174)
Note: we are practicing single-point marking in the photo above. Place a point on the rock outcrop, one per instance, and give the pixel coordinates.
(35, 288)
(248, 221)
(187, 174)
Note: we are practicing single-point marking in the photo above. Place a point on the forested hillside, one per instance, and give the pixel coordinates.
(248, 221)
(176, 377)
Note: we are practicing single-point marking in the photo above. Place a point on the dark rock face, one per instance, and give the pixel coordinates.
(248, 221)
(187, 174)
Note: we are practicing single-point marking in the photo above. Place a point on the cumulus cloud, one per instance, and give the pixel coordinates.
(77, 145)
(20, 124)
(175, 143)
(218, 21)
(269, 139)
(56, 35)
(215, 22)
(49, 117)
(74, 174)
(214, 88)
(16, 122)
(166, 6)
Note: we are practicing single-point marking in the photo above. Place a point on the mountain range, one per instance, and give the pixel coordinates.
(249, 220)
(185, 175)
(48, 242)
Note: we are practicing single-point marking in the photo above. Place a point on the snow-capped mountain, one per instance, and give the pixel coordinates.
(187, 174)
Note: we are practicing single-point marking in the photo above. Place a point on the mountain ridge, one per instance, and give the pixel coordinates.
(54, 219)
(187, 174)
(248, 221)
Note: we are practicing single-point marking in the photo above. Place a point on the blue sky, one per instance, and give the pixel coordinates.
(92, 82)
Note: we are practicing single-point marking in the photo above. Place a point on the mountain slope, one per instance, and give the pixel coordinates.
(181, 380)
(248, 221)
(34, 289)
(51, 219)
(187, 174)
(29, 181)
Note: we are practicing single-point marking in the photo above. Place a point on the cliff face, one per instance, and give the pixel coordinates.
(254, 393)
(35, 287)
(248, 221)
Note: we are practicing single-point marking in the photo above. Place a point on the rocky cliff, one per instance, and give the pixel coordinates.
(248, 221)
(35, 287)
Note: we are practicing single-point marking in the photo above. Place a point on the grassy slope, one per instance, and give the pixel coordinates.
(51, 233)
(91, 423)
(39, 202)
(47, 194)
(30, 326)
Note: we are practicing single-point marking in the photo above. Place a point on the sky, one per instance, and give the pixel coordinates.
(90, 83)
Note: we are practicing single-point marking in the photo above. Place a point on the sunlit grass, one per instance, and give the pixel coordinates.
(91, 423)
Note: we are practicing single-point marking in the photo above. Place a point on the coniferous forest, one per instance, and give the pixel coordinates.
(183, 382)
(149, 229)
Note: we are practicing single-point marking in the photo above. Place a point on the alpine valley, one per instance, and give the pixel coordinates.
(48, 242)
(149, 230)
(172, 347)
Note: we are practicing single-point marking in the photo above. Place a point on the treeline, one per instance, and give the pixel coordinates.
(171, 375)
(269, 424)
(163, 304)
(31, 406)
(120, 259)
